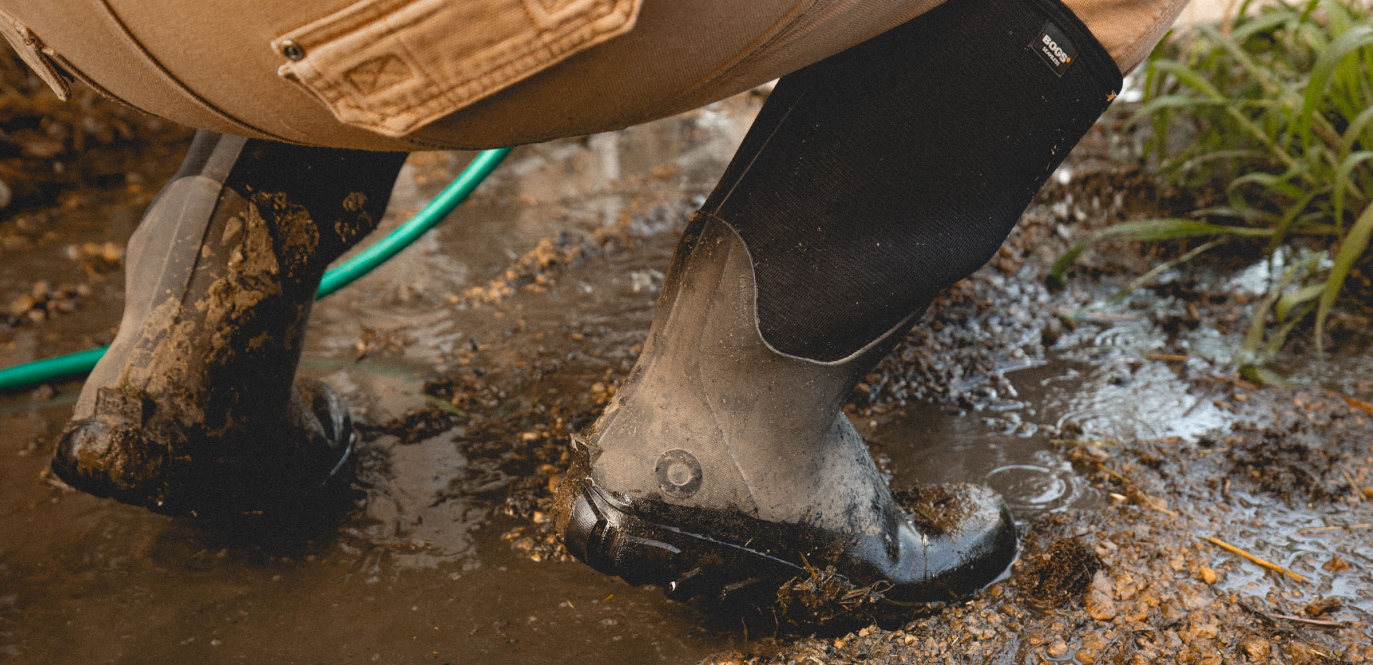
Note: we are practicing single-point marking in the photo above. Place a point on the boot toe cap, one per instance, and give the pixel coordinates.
(156, 465)
(959, 538)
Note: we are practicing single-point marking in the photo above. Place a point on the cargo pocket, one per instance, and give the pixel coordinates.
(35, 54)
(393, 66)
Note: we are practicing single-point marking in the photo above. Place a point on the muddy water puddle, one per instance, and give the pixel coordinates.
(536, 295)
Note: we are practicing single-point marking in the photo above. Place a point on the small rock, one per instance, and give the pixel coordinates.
(1206, 574)
(1335, 564)
(1256, 647)
(1058, 649)
(1206, 630)
(1302, 653)
(1323, 607)
(21, 305)
(1098, 601)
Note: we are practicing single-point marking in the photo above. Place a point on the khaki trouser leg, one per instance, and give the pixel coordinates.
(214, 65)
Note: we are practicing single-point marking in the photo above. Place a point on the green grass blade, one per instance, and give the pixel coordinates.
(1352, 39)
(1237, 52)
(1354, 132)
(1146, 230)
(1157, 104)
(1278, 338)
(1190, 78)
(1253, 338)
(1353, 246)
(1165, 266)
(1276, 183)
(1346, 167)
(1289, 217)
(1262, 24)
(1296, 297)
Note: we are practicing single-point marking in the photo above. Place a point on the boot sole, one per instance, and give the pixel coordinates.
(604, 533)
(109, 454)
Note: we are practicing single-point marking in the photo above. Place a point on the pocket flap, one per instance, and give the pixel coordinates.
(393, 66)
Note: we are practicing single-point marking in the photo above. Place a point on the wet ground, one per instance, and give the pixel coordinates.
(1115, 432)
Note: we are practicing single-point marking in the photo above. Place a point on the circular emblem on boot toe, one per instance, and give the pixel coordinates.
(679, 474)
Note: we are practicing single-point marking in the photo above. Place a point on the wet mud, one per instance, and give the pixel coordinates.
(1116, 434)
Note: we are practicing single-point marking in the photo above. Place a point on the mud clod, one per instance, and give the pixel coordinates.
(935, 508)
(1061, 572)
(414, 426)
(827, 601)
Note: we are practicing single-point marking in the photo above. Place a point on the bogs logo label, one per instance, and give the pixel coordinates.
(1054, 48)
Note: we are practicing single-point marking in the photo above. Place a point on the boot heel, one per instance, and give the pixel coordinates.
(603, 534)
(617, 543)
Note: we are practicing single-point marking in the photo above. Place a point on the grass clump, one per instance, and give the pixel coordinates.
(1276, 109)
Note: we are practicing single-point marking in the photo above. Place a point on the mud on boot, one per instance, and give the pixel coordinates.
(195, 409)
(134, 452)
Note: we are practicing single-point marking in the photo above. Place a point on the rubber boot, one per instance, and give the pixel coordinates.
(724, 465)
(725, 468)
(194, 409)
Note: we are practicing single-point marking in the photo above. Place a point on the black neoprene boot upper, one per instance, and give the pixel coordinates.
(869, 182)
(194, 409)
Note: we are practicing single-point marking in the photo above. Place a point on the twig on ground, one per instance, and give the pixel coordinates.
(1119, 477)
(1311, 622)
(1358, 491)
(1287, 617)
(1100, 443)
(1317, 529)
(1358, 404)
(1094, 317)
(1139, 496)
(1266, 564)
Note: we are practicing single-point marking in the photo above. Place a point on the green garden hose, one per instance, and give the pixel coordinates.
(344, 274)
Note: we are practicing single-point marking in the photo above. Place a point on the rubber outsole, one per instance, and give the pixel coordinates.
(609, 535)
(112, 454)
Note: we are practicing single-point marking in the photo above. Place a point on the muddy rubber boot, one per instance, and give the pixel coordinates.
(194, 409)
(723, 465)
(870, 182)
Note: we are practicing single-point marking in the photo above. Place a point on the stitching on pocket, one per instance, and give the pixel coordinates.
(393, 66)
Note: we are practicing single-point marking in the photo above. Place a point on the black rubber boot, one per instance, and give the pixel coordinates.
(869, 182)
(194, 409)
(723, 465)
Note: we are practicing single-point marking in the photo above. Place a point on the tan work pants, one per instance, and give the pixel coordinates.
(421, 74)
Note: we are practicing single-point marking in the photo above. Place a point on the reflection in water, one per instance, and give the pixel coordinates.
(1096, 383)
